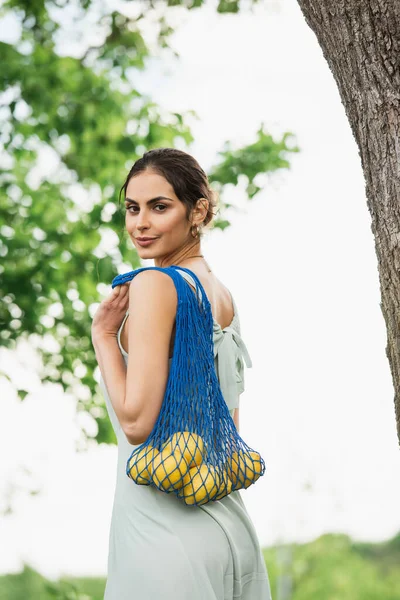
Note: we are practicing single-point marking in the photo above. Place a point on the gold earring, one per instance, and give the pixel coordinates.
(196, 232)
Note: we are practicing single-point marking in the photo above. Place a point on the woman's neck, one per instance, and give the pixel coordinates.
(179, 258)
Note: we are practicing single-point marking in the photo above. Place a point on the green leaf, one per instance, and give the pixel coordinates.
(87, 112)
(22, 393)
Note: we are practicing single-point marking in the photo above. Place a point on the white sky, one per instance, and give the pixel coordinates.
(301, 264)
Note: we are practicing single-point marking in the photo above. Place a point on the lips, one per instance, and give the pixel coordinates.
(145, 239)
(144, 242)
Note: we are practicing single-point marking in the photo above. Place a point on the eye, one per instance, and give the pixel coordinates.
(128, 208)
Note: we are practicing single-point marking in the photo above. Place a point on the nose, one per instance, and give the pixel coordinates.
(142, 221)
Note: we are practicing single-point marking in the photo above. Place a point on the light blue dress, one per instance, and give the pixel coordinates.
(161, 549)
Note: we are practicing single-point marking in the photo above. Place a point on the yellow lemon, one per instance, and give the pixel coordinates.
(138, 466)
(235, 466)
(245, 468)
(149, 457)
(202, 485)
(189, 444)
(257, 462)
(254, 467)
(168, 470)
(226, 489)
(185, 480)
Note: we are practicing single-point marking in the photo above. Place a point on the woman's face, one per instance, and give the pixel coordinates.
(154, 211)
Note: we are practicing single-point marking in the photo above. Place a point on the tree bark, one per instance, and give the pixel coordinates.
(360, 40)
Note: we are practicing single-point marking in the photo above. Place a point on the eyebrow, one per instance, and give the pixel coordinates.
(149, 201)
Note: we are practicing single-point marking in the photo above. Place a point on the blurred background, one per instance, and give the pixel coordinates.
(86, 87)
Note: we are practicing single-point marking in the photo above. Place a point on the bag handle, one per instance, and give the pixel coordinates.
(184, 292)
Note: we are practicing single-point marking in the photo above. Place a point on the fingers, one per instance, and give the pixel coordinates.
(120, 289)
(125, 289)
(120, 294)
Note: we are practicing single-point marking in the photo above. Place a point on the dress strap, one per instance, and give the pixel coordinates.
(119, 332)
(189, 279)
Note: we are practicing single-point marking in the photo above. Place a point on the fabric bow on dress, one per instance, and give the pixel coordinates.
(227, 354)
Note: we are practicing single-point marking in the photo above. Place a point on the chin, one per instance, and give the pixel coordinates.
(146, 253)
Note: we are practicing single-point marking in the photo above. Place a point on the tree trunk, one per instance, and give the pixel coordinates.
(360, 40)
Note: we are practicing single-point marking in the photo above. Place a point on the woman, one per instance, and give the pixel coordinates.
(160, 548)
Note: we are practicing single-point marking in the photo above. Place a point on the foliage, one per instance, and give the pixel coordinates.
(333, 566)
(71, 124)
(30, 584)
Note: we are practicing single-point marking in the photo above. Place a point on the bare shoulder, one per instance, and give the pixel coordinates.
(152, 278)
(221, 300)
(212, 284)
(152, 287)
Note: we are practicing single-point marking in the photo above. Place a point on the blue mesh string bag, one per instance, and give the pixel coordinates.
(194, 449)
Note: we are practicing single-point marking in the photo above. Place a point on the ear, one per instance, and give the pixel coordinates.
(199, 212)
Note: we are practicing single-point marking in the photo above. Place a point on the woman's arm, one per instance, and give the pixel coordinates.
(137, 392)
(105, 325)
(113, 371)
(153, 302)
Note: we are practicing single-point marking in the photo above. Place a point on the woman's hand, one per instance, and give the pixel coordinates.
(109, 315)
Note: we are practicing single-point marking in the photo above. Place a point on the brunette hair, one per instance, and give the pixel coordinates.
(183, 172)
